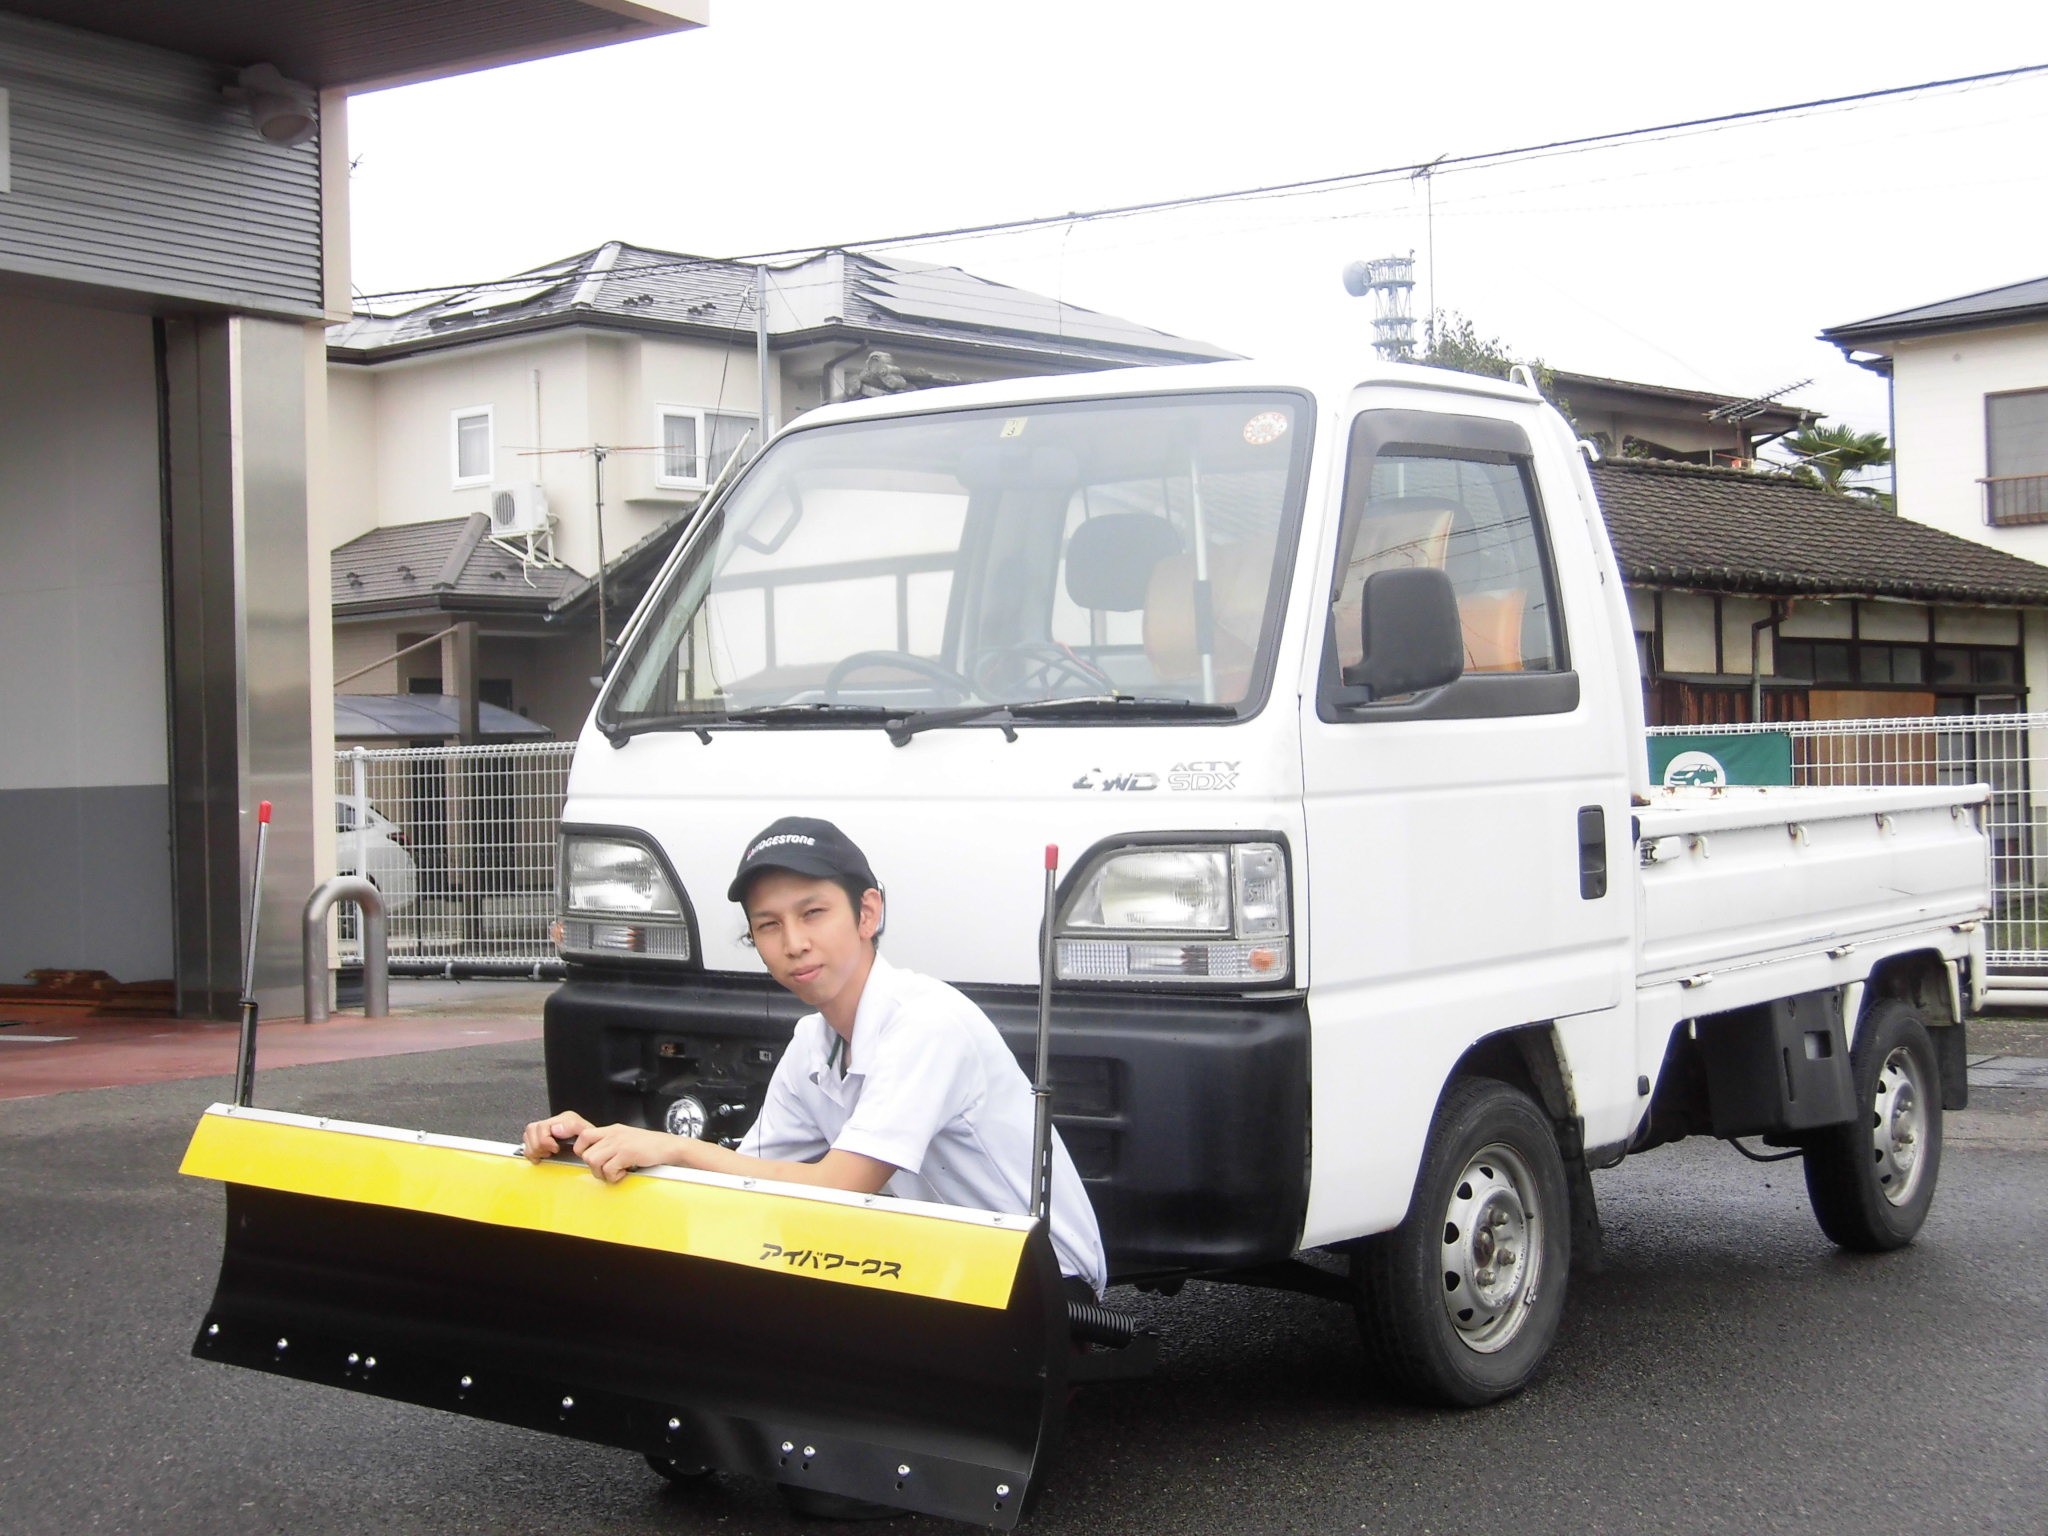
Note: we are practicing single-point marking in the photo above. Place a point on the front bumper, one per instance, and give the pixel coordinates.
(1187, 1117)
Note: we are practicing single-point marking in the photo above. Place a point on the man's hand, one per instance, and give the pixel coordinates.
(544, 1138)
(612, 1151)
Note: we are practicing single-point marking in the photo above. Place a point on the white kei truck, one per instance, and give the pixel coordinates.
(1371, 940)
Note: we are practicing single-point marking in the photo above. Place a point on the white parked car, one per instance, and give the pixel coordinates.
(381, 846)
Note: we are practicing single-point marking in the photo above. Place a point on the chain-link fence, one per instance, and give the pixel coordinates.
(461, 841)
(1998, 750)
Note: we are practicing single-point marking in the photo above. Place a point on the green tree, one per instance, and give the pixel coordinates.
(1827, 454)
(1455, 342)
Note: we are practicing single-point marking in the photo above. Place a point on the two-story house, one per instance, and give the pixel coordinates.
(1969, 401)
(510, 462)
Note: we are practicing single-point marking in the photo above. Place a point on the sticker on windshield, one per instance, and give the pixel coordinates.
(1014, 427)
(1266, 427)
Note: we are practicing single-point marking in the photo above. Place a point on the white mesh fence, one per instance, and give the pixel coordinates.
(461, 841)
(1998, 750)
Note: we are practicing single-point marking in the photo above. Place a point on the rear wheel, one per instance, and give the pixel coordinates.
(684, 1474)
(1460, 1303)
(1871, 1181)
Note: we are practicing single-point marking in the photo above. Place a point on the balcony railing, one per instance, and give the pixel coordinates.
(2010, 500)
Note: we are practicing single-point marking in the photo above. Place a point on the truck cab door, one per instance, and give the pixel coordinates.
(1466, 844)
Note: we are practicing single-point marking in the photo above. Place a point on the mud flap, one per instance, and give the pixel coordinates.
(909, 1354)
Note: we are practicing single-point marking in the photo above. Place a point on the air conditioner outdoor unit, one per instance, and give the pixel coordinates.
(518, 509)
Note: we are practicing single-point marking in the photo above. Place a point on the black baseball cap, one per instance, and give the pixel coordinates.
(805, 846)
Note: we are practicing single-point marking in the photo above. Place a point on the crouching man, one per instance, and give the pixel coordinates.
(895, 1082)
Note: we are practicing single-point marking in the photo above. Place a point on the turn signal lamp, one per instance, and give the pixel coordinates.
(618, 901)
(1180, 915)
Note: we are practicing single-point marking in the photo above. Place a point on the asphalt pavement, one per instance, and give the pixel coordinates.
(1727, 1371)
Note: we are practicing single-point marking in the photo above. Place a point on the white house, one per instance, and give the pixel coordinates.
(496, 447)
(1969, 391)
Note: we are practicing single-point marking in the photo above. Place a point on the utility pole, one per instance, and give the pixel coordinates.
(1426, 175)
(761, 343)
(597, 456)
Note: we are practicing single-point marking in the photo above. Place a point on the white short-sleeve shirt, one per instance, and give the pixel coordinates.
(931, 1089)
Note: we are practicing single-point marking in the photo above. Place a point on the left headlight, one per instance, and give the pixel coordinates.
(618, 899)
(1189, 914)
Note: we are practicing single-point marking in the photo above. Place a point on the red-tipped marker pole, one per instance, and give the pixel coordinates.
(245, 1057)
(1041, 1085)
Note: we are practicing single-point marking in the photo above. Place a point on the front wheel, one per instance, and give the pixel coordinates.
(1871, 1181)
(1460, 1303)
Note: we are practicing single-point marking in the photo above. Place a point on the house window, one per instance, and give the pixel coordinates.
(695, 444)
(471, 446)
(1959, 669)
(2016, 458)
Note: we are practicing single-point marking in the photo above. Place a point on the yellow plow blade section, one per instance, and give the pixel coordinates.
(872, 1241)
(909, 1354)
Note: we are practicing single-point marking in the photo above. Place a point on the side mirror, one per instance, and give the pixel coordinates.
(1412, 637)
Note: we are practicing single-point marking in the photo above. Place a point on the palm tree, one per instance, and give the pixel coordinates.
(1827, 454)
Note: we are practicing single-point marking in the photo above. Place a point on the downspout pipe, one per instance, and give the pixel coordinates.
(1781, 610)
(835, 363)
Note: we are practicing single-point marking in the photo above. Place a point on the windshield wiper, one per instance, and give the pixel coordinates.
(815, 709)
(1135, 704)
(1100, 704)
(899, 721)
(959, 714)
(1132, 705)
(619, 732)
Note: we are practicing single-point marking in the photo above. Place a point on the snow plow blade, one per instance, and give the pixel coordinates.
(909, 1354)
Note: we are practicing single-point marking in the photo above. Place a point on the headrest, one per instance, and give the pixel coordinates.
(1110, 559)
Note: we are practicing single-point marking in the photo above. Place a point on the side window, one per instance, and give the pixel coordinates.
(1464, 502)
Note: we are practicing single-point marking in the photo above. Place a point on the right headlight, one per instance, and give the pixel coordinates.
(1188, 914)
(618, 899)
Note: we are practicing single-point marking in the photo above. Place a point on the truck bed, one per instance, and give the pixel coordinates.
(1737, 884)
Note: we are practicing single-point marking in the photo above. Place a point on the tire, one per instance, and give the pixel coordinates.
(1871, 1181)
(682, 1474)
(1438, 1314)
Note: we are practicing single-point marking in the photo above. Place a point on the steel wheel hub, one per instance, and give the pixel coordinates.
(1897, 1123)
(1492, 1249)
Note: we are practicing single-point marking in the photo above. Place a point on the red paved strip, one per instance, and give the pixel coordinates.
(117, 1052)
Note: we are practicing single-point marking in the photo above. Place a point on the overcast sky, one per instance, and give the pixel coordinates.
(1707, 260)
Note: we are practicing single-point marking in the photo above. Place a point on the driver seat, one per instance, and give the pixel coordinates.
(1111, 558)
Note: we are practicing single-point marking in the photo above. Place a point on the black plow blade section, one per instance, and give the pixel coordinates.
(939, 1407)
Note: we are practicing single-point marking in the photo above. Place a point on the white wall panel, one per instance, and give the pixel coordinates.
(81, 551)
(1688, 632)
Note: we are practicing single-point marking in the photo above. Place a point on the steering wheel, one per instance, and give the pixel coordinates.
(959, 689)
(1040, 662)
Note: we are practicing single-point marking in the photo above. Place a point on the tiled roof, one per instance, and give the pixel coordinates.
(445, 564)
(1758, 413)
(849, 292)
(2011, 305)
(1727, 530)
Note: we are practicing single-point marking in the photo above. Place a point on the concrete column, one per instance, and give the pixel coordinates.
(462, 645)
(234, 447)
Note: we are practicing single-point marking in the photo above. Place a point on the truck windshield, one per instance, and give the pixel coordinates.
(1128, 552)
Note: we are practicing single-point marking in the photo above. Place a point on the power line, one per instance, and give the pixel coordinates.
(1549, 149)
(1465, 162)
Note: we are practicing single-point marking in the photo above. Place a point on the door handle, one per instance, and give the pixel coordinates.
(1592, 852)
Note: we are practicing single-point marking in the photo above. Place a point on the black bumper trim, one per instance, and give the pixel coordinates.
(1188, 1117)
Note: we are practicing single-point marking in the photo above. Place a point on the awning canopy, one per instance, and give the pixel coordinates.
(416, 716)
